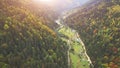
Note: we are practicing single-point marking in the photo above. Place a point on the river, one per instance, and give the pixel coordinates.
(77, 55)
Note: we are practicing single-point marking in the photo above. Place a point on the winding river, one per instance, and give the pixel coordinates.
(77, 55)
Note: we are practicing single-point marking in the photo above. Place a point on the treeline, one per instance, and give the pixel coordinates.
(99, 27)
(25, 41)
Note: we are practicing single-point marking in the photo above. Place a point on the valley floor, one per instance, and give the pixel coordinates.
(77, 57)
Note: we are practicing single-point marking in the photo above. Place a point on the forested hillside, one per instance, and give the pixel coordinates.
(51, 34)
(45, 13)
(25, 41)
(98, 24)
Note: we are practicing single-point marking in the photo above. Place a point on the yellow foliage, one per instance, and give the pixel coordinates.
(6, 26)
(106, 57)
(4, 46)
(115, 8)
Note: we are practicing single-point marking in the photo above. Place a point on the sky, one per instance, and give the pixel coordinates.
(72, 3)
(76, 3)
(82, 1)
(63, 4)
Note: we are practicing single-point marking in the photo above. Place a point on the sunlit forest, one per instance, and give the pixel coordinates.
(59, 34)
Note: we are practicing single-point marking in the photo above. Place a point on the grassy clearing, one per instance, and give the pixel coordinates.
(66, 31)
(77, 60)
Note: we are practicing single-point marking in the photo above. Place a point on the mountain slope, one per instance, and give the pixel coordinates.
(25, 42)
(99, 27)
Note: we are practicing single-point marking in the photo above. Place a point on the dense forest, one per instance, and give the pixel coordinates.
(98, 24)
(26, 40)
(31, 38)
